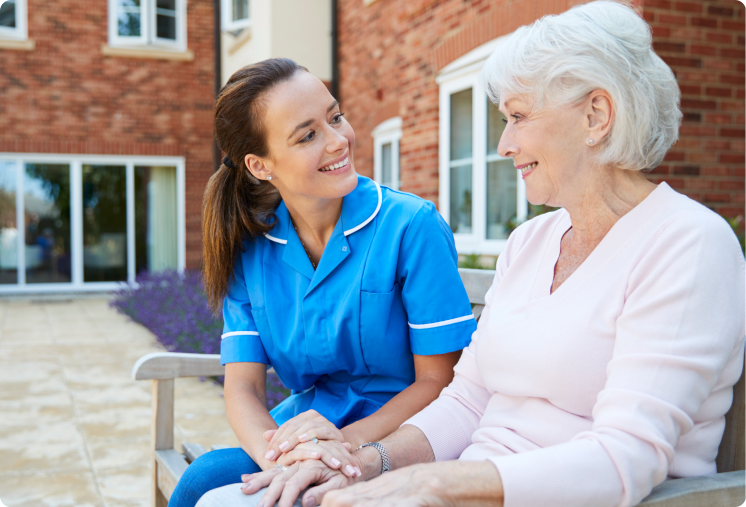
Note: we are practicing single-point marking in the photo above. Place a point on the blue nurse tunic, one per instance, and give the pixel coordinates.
(342, 336)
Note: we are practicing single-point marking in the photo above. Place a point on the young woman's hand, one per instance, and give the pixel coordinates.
(332, 453)
(301, 428)
(284, 486)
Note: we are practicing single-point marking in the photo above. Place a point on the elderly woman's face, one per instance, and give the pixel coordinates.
(547, 145)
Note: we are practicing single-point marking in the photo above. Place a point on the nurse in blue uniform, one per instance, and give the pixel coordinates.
(348, 289)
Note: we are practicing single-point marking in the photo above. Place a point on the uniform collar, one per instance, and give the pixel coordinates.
(359, 208)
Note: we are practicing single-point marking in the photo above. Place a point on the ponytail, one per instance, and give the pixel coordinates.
(236, 205)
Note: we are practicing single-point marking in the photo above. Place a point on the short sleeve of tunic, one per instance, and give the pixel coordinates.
(438, 309)
(240, 341)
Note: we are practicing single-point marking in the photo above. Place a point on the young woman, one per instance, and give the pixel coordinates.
(349, 290)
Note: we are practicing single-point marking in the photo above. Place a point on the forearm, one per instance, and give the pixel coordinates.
(248, 416)
(406, 446)
(401, 407)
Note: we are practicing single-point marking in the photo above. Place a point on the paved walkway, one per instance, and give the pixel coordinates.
(74, 427)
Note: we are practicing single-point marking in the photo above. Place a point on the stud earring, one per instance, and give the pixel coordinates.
(590, 142)
(269, 177)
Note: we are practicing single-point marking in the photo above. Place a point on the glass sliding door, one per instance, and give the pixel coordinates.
(104, 223)
(8, 224)
(46, 206)
(155, 218)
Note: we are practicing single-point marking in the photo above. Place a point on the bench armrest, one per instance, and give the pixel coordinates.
(726, 490)
(170, 365)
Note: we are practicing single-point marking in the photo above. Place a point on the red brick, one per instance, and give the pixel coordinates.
(682, 62)
(688, 7)
(648, 16)
(733, 53)
(702, 157)
(732, 132)
(730, 158)
(691, 130)
(717, 145)
(718, 118)
(736, 26)
(688, 170)
(718, 92)
(725, 78)
(706, 22)
(661, 31)
(671, 47)
(722, 38)
(731, 185)
(717, 10)
(658, 4)
(690, 89)
(715, 171)
(731, 106)
(671, 19)
(674, 156)
(697, 49)
(717, 197)
(739, 94)
(699, 184)
(698, 104)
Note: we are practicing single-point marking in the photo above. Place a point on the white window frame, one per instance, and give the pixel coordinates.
(226, 11)
(76, 163)
(20, 32)
(148, 29)
(462, 74)
(388, 131)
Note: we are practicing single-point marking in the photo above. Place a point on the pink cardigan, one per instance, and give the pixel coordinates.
(594, 394)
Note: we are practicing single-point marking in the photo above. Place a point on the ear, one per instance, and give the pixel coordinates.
(600, 115)
(257, 166)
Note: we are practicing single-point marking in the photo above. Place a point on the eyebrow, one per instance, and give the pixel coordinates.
(309, 122)
(506, 103)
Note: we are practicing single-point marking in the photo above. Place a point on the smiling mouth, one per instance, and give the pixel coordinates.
(527, 168)
(336, 166)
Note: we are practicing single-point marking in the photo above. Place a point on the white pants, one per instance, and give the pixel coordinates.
(232, 496)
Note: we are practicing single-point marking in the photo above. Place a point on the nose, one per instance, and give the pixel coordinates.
(507, 146)
(336, 141)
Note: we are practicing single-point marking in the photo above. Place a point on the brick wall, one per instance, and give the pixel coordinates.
(703, 42)
(66, 97)
(391, 51)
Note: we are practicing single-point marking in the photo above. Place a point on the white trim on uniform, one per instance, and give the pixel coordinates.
(240, 333)
(441, 323)
(276, 240)
(378, 208)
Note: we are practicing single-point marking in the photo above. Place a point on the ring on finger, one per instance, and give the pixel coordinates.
(282, 468)
(315, 440)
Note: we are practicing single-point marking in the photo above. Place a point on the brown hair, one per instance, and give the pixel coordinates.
(236, 205)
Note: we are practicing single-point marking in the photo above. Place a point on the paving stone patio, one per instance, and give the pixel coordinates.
(74, 426)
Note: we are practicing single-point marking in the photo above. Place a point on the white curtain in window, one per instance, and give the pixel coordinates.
(162, 219)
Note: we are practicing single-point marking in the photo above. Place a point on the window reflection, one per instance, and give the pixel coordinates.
(129, 17)
(8, 14)
(166, 19)
(8, 227)
(104, 223)
(46, 203)
(461, 162)
(502, 179)
(155, 218)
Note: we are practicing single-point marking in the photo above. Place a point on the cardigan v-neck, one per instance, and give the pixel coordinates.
(594, 394)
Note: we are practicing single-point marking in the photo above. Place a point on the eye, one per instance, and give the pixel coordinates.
(516, 117)
(504, 120)
(309, 137)
(338, 118)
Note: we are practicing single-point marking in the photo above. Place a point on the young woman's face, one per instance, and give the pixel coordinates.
(310, 143)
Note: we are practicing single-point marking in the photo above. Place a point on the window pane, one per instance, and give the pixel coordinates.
(8, 14)
(240, 9)
(166, 19)
(104, 223)
(495, 127)
(386, 163)
(461, 125)
(155, 218)
(502, 181)
(8, 229)
(129, 14)
(460, 216)
(46, 206)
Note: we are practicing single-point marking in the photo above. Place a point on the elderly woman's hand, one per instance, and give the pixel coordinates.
(284, 486)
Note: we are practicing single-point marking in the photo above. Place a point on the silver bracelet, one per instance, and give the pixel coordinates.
(382, 451)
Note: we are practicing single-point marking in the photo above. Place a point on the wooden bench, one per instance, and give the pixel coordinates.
(726, 489)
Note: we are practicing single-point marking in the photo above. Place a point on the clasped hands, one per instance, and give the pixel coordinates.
(315, 452)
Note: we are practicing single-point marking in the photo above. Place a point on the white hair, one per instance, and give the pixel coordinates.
(559, 60)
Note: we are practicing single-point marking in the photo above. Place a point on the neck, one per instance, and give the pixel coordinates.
(608, 194)
(315, 219)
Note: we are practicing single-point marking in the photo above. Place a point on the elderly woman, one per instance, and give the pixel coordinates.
(613, 332)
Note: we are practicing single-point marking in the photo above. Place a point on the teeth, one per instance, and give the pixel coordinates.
(335, 166)
(527, 168)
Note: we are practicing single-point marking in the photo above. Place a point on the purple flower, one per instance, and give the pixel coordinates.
(174, 308)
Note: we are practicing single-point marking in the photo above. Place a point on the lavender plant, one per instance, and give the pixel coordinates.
(173, 306)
